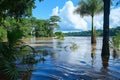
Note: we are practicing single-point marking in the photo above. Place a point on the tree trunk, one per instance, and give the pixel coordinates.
(93, 37)
(105, 47)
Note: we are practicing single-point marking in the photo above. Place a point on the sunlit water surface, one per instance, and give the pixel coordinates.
(64, 62)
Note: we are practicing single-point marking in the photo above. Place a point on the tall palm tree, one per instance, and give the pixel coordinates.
(105, 47)
(90, 7)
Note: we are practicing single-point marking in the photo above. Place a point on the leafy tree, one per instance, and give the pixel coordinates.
(105, 47)
(10, 10)
(27, 26)
(116, 40)
(16, 8)
(3, 33)
(8, 50)
(41, 28)
(59, 35)
(53, 23)
(44, 28)
(90, 7)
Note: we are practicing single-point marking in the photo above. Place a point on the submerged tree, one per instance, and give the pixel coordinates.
(105, 47)
(59, 35)
(90, 7)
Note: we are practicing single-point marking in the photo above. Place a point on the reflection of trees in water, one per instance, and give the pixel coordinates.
(105, 59)
(59, 44)
(115, 54)
(73, 46)
(26, 75)
(93, 50)
(28, 60)
(115, 49)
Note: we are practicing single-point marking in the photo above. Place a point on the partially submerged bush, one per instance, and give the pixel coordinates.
(59, 35)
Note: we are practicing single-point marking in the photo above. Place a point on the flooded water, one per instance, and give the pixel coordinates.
(73, 59)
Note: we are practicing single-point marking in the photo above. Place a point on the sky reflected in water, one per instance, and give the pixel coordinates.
(73, 59)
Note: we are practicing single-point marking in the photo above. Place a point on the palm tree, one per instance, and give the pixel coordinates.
(90, 7)
(105, 47)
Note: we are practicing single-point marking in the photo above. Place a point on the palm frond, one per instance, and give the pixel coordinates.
(89, 7)
(8, 70)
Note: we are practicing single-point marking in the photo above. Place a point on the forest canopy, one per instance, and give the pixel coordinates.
(99, 32)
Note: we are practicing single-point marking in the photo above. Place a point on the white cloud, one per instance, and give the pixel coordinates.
(69, 19)
(72, 21)
(98, 21)
(55, 11)
(115, 17)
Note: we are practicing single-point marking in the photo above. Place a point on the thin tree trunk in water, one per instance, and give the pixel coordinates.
(105, 47)
(93, 37)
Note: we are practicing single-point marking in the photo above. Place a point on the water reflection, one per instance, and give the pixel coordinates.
(116, 54)
(73, 46)
(93, 51)
(26, 75)
(63, 63)
(105, 61)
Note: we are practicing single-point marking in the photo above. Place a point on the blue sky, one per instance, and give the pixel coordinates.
(69, 20)
(44, 9)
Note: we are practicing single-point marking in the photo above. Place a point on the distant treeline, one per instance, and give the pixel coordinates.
(99, 32)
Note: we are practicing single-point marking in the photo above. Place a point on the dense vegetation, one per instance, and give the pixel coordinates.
(15, 23)
(99, 32)
(59, 35)
(30, 27)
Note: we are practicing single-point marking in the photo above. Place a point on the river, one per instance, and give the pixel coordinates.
(73, 59)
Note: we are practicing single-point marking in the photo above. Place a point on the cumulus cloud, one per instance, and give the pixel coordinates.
(115, 17)
(98, 21)
(55, 11)
(71, 21)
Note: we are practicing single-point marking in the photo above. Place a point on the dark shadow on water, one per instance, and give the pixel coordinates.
(115, 54)
(93, 51)
(105, 61)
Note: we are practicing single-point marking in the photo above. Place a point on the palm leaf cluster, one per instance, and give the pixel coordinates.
(90, 7)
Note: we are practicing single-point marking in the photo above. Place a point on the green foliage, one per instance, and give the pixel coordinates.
(89, 7)
(8, 70)
(116, 40)
(41, 28)
(16, 8)
(54, 19)
(73, 46)
(10, 11)
(9, 49)
(7, 57)
(99, 32)
(114, 31)
(45, 28)
(53, 23)
(3, 33)
(59, 35)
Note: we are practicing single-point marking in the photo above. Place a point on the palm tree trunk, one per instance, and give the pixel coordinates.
(93, 37)
(105, 47)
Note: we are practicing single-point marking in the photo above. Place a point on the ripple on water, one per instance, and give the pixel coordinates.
(64, 64)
